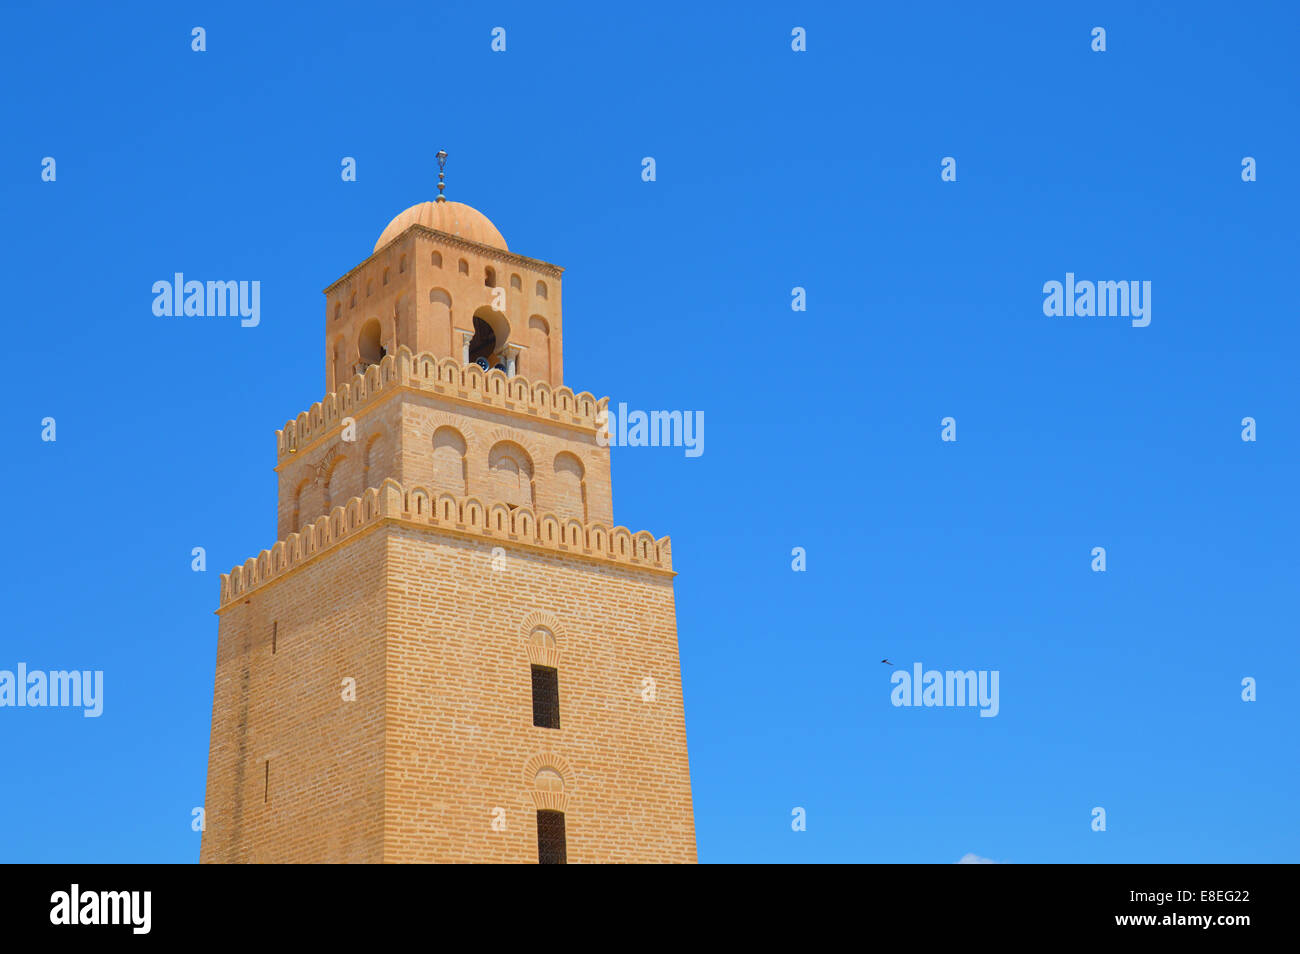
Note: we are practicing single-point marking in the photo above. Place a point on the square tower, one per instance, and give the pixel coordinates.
(451, 654)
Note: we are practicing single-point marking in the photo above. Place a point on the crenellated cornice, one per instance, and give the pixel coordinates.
(447, 378)
(468, 517)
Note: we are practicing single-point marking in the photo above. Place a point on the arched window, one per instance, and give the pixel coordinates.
(439, 321)
(436, 259)
(385, 276)
(491, 335)
(464, 267)
(337, 367)
(516, 283)
(338, 310)
(295, 518)
(449, 461)
(490, 277)
(511, 472)
(369, 287)
(541, 289)
(484, 343)
(546, 775)
(330, 485)
(370, 461)
(570, 490)
(542, 637)
(352, 302)
(548, 780)
(369, 349)
(539, 349)
(401, 264)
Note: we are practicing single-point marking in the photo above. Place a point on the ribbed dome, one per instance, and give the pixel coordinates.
(454, 217)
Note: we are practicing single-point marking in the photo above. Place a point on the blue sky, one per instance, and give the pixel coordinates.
(775, 169)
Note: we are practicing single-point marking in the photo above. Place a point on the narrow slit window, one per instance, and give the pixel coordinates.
(546, 697)
(550, 838)
(266, 783)
(275, 629)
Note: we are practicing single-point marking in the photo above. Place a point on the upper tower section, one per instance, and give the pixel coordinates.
(442, 280)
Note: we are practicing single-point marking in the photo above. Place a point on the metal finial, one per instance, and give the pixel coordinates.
(442, 164)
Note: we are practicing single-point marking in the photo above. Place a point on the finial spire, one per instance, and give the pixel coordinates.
(442, 164)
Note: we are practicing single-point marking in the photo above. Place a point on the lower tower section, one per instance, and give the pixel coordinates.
(296, 767)
(423, 678)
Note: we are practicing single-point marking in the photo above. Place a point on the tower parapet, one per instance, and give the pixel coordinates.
(467, 383)
(462, 516)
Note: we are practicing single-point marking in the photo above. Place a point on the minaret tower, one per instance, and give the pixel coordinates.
(451, 654)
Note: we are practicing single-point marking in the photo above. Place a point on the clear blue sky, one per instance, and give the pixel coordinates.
(775, 169)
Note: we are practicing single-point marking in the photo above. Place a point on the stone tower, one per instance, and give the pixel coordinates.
(451, 654)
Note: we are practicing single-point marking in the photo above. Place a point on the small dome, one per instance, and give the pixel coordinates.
(453, 217)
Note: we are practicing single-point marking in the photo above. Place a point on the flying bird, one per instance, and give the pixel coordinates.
(886, 662)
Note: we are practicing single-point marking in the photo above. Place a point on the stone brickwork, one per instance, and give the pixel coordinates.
(418, 419)
(294, 772)
(442, 531)
(424, 288)
(616, 766)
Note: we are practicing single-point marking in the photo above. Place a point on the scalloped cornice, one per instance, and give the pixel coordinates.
(469, 516)
(446, 378)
